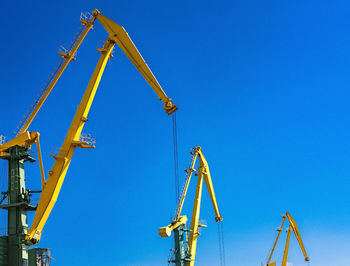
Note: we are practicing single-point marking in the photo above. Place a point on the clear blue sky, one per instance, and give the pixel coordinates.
(262, 86)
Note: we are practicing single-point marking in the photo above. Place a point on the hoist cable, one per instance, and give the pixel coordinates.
(176, 162)
(220, 248)
(221, 244)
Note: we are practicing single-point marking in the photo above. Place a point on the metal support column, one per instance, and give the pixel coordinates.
(17, 206)
(180, 248)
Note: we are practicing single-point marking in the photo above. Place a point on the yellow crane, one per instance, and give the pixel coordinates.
(292, 227)
(74, 138)
(117, 35)
(186, 254)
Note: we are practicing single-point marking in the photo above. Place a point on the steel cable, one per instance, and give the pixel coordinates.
(176, 162)
(221, 244)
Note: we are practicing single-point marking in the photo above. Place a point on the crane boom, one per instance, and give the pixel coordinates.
(286, 248)
(297, 235)
(204, 170)
(187, 183)
(279, 230)
(72, 140)
(121, 37)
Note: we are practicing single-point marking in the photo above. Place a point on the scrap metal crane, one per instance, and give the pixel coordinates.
(16, 150)
(292, 227)
(185, 249)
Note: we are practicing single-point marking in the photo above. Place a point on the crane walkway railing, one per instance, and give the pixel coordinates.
(38, 97)
(84, 17)
(88, 138)
(185, 185)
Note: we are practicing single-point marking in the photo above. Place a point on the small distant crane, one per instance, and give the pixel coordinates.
(292, 227)
(185, 249)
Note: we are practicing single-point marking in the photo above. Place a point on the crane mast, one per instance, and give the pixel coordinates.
(186, 254)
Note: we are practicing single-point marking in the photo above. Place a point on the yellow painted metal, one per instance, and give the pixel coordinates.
(26, 139)
(192, 240)
(285, 253)
(279, 230)
(297, 235)
(203, 173)
(292, 226)
(57, 173)
(121, 37)
(42, 173)
(166, 231)
(23, 139)
(68, 57)
(52, 186)
(190, 172)
(204, 170)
